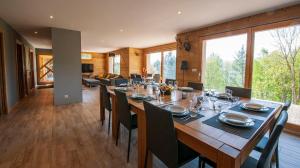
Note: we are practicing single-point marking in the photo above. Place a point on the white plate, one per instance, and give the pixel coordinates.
(254, 107)
(222, 95)
(121, 88)
(138, 96)
(185, 88)
(234, 119)
(177, 110)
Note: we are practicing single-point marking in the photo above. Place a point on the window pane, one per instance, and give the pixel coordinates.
(117, 64)
(169, 66)
(110, 64)
(154, 63)
(225, 62)
(276, 67)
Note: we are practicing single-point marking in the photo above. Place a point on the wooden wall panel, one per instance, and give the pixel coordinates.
(136, 63)
(99, 61)
(124, 67)
(194, 57)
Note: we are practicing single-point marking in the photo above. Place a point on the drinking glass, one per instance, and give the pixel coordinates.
(157, 95)
(212, 101)
(175, 84)
(228, 93)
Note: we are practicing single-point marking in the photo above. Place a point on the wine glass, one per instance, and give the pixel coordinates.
(213, 100)
(175, 84)
(157, 95)
(163, 90)
(228, 93)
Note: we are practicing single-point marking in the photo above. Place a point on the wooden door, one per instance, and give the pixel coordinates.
(21, 73)
(3, 105)
(32, 82)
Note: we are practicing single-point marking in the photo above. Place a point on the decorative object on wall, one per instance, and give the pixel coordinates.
(187, 46)
(111, 54)
(183, 67)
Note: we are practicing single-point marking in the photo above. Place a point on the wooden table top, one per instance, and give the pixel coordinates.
(209, 135)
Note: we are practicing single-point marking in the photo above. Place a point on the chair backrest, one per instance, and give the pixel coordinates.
(149, 75)
(161, 136)
(196, 85)
(170, 81)
(132, 76)
(266, 156)
(240, 92)
(286, 105)
(138, 76)
(118, 82)
(137, 80)
(123, 109)
(105, 96)
(156, 78)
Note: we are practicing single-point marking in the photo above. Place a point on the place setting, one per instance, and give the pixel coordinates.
(140, 97)
(183, 114)
(235, 123)
(252, 107)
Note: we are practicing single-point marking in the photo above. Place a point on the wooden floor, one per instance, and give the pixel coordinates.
(39, 135)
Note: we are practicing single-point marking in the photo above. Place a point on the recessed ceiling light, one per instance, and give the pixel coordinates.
(51, 17)
(179, 12)
(36, 32)
(121, 30)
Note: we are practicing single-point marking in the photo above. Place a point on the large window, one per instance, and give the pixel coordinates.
(276, 66)
(169, 64)
(114, 64)
(163, 63)
(154, 63)
(225, 60)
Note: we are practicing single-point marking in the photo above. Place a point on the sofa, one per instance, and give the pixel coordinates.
(112, 79)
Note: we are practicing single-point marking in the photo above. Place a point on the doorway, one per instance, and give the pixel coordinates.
(3, 105)
(21, 72)
(31, 60)
(45, 70)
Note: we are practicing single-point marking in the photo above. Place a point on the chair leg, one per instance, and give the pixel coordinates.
(146, 159)
(277, 157)
(201, 163)
(118, 129)
(109, 116)
(128, 150)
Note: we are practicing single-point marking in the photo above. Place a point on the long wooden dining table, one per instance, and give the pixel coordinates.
(225, 149)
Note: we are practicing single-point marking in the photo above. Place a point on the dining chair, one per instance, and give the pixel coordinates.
(265, 159)
(149, 75)
(170, 81)
(128, 120)
(132, 76)
(240, 92)
(196, 85)
(137, 80)
(263, 142)
(105, 96)
(162, 140)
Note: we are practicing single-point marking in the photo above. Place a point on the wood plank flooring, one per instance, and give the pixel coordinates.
(39, 135)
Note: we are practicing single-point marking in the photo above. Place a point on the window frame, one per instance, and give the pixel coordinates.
(161, 58)
(250, 45)
(221, 35)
